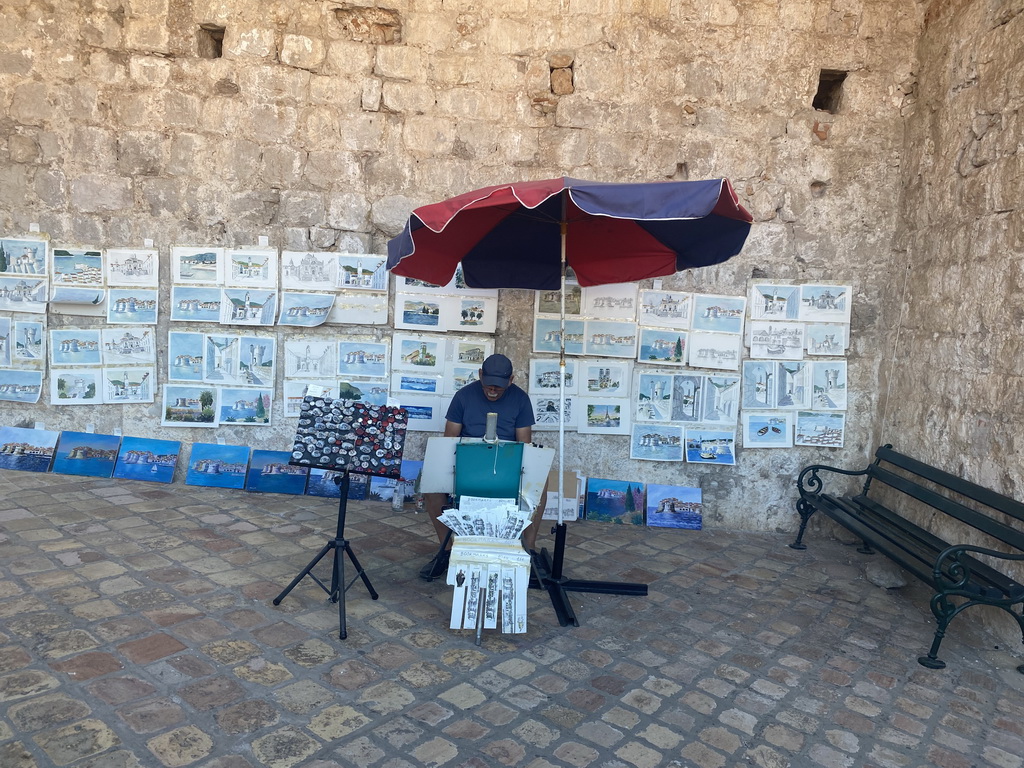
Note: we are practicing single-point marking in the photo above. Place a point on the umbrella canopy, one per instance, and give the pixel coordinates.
(512, 235)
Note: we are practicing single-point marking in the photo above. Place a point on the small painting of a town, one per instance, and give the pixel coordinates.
(199, 265)
(128, 345)
(23, 294)
(715, 350)
(294, 392)
(418, 312)
(132, 305)
(471, 353)
(603, 417)
(828, 382)
(81, 267)
(384, 488)
(708, 445)
(362, 358)
(826, 339)
(133, 267)
(720, 403)
(245, 406)
(656, 442)
(477, 315)
(185, 356)
(653, 397)
(221, 356)
(85, 453)
(270, 472)
(674, 506)
(757, 387)
(75, 346)
(243, 306)
(547, 414)
(217, 466)
(545, 375)
(192, 304)
(20, 386)
(322, 483)
(257, 360)
(662, 346)
(825, 303)
(687, 393)
(768, 429)
(305, 309)
(550, 302)
(250, 268)
(605, 338)
(771, 340)
(547, 335)
(665, 309)
(351, 308)
(606, 378)
(28, 341)
(22, 256)
(825, 429)
(720, 314)
(417, 353)
(362, 272)
(75, 386)
(147, 459)
(769, 301)
(310, 359)
(792, 384)
(617, 301)
(614, 501)
(189, 406)
(27, 450)
(128, 385)
(458, 376)
(308, 271)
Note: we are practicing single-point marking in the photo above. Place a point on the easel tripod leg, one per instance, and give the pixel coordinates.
(304, 572)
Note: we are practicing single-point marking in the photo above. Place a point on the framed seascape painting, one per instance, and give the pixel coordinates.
(27, 450)
(80, 267)
(545, 376)
(710, 445)
(245, 406)
(825, 429)
(195, 304)
(368, 392)
(133, 267)
(825, 303)
(674, 506)
(774, 301)
(662, 346)
(143, 458)
(87, 302)
(418, 312)
(768, 429)
(426, 412)
(414, 383)
(665, 309)
(270, 472)
(251, 268)
(322, 483)
(718, 314)
(217, 466)
(199, 265)
(656, 442)
(85, 453)
(615, 501)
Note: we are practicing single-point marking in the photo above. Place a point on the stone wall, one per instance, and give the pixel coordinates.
(322, 124)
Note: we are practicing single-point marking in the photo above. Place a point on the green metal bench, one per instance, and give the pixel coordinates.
(953, 570)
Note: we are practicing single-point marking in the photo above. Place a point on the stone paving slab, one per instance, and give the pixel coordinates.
(137, 630)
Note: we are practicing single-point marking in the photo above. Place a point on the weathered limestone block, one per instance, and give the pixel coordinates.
(348, 210)
(473, 103)
(213, 11)
(348, 58)
(15, 63)
(136, 110)
(222, 116)
(353, 242)
(322, 238)
(301, 208)
(361, 132)
(281, 163)
(15, 180)
(185, 154)
(338, 93)
(22, 148)
(271, 83)
(297, 239)
(407, 98)
(163, 197)
(318, 127)
(150, 71)
(433, 32)
(31, 104)
(50, 186)
(400, 63)
(371, 94)
(97, 193)
(140, 153)
(253, 43)
(182, 110)
(272, 122)
(324, 169)
(389, 214)
(561, 82)
(147, 33)
(302, 51)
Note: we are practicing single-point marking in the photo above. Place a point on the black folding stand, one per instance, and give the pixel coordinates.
(340, 546)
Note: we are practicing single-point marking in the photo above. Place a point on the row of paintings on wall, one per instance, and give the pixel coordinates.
(630, 503)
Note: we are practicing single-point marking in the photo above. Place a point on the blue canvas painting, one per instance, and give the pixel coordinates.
(84, 453)
(184, 356)
(270, 472)
(27, 450)
(383, 488)
(615, 501)
(674, 506)
(217, 466)
(710, 446)
(143, 458)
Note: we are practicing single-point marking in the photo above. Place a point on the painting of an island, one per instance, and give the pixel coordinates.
(217, 466)
(27, 450)
(270, 472)
(84, 453)
(143, 458)
(674, 506)
(615, 501)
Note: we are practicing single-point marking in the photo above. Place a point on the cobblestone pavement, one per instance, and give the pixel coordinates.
(137, 629)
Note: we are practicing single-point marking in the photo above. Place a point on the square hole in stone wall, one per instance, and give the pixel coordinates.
(210, 41)
(830, 90)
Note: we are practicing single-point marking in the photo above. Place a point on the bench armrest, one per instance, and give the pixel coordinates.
(810, 484)
(954, 574)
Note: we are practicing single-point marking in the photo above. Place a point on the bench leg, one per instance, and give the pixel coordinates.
(944, 612)
(865, 548)
(805, 510)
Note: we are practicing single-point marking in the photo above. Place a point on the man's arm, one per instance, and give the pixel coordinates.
(524, 434)
(451, 429)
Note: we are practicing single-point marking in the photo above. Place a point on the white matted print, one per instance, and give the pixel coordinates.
(79, 267)
(720, 403)
(616, 301)
(363, 358)
(827, 339)
(197, 265)
(195, 304)
(257, 361)
(710, 445)
(823, 429)
(75, 346)
(774, 301)
(600, 416)
(20, 386)
(133, 267)
(719, 314)
(408, 382)
(250, 268)
(793, 384)
(185, 405)
(75, 386)
(656, 442)
(419, 312)
(221, 356)
(23, 256)
(132, 305)
(362, 271)
(547, 335)
(369, 392)
(662, 346)
(825, 303)
(129, 346)
(129, 385)
(23, 294)
(471, 353)
(545, 377)
(828, 383)
(476, 314)
(458, 376)
(550, 302)
(546, 412)
(768, 429)
(305, 309)
(652, 397)
(426, 412)
(247, 306)
(605, 379)
(665, 309)
(310, 359)
(687, 396)
(354, 308)
(185, 356)
(775, 340)
(29, 342)
(308, 271)
(417, 353)
(606, 338)
(758, 385)
(715, 350)
(245, 406)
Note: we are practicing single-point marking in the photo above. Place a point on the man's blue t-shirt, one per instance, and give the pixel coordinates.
(470, 407)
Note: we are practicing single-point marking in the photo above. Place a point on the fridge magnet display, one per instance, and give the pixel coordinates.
(662, 346)
(546, 412)
(720, 403)
(185, 356)
(823, 429)
(653, 397)
(615, 501)
(338, 433)
(418, 312)
(367, 359)
(23, 256)
(674, 506)
(305, 309)
(715, 350)
(143, 458)
(656, 442)
(610, 339)
(270, 472)
(28, 342)
(774, 340)
(133, 267)
(247, 306)
(310, 359)
(217, 466)
(616, 301)
(708, 445)
(257, 359)
(687, 392)
(545, 375)
(78, 267)
(550, 302)
(128, 346)
(417, 353)
(359, 309)
(85, 453)
(425, 412)
(27, 450)
(23, 294)
(21, 386)
(774, 302)
(75, 346)
(827, 339)
(189, 406)
(198, 265)
(245, 406)
(250, 268)
(825, 303)
(768, 429)
(828, 385)
(718, 314)
(308, 271)
(665, 309)
(362, 272)
(547, 335)
(603, 417)
(132, 306)
(193, 304)
(128, 385)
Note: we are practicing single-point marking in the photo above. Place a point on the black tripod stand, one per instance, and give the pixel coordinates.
(340, 546)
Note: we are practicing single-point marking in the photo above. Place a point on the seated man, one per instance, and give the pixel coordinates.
(493, 392)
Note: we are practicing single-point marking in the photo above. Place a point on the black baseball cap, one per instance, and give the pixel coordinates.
(496, 371)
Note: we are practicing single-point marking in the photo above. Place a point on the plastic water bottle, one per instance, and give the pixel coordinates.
(398, 497)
